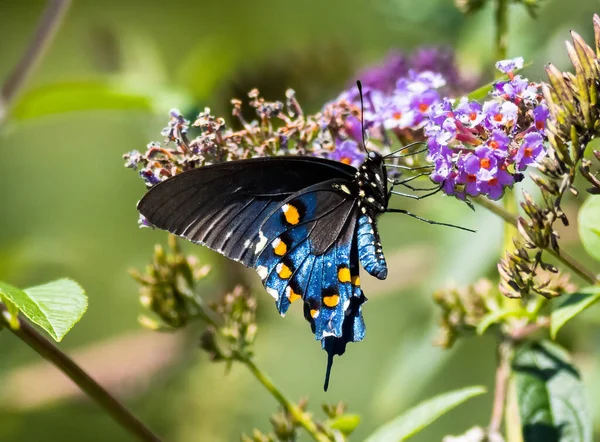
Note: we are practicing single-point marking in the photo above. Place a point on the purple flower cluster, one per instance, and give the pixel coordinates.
(383, 77)
(480, 149)
(398, 95)
(401, 113)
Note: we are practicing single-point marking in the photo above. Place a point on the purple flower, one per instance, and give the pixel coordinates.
(511, 65)
(498, 115)
(483, 164)
(143, 222)
(347, 152)
(494, 187)
(353, 128)
(540, 115)
(469, 113)
(439, 112)
(132, 159)
(531, 151)
(499, 141)
(384, 76)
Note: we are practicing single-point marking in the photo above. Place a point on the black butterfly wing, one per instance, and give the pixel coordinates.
(294, 219)
(223, 206)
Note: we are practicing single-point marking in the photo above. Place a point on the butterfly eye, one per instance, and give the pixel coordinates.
(372, 155)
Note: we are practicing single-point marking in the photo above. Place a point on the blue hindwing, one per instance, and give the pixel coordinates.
(292, 268)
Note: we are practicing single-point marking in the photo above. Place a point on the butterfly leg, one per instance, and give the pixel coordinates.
(408, 146)
(406, 212)
(415, 197)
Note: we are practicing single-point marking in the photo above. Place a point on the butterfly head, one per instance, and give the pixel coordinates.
(372, 183)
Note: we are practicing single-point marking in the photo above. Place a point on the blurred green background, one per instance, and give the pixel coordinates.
(68, 209)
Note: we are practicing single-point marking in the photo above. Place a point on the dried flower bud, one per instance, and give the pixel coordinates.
(168, 287)
(463, 309)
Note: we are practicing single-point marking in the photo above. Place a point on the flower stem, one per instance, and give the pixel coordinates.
(501, 387)
(89, 386)
(501, 38)
(299, 416)
(44, 34)
(563, 257)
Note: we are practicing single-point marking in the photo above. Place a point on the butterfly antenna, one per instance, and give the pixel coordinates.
(362, 117)
(330, 355)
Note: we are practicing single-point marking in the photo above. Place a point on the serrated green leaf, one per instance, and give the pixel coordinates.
(414, 420)
(589, 225)
(345, 423)
(56, 306)
(550, 394)
(571, 305)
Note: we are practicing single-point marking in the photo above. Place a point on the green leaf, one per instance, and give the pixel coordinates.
(550, 394)
(345, 423)
(419, 417)
(570, 306)
(495, 316)
(589, 225)
(11, 315)
(481, 93)
(109, 94)
(56, 306)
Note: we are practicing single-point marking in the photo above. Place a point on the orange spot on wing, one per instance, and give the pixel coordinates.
(292, 216)
(314, 313)
(279, 247)
(292, 295)
(355, 281)
(344, 274)
(331, 300)
(283, 271)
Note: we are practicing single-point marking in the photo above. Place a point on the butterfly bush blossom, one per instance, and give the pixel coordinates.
(398, 97)
(482, 148)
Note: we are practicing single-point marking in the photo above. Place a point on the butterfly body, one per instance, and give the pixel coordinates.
(304, 224)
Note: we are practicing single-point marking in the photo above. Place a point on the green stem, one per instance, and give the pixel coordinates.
(299, 416)
(501, 387)
(501, 38)
(563, 257)
(94, 391)
(44, 34)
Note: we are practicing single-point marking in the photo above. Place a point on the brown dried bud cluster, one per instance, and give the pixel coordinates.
(284, 427)
(168, 287)
(573, 103)
(463, 309)
(235, 324)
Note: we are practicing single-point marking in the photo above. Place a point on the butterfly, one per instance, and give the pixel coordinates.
(305, 224)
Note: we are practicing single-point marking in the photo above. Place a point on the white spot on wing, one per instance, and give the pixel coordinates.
(274, 293)
(247, 243)
(345, 189)
(285, 208)
(262, 242)
(263, 272)
(276, 243)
